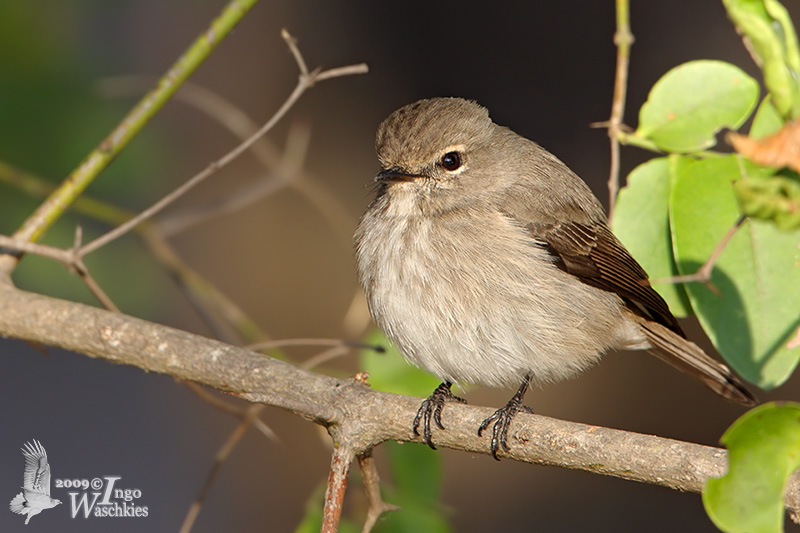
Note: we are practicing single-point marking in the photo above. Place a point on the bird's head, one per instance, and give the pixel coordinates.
(437, 153)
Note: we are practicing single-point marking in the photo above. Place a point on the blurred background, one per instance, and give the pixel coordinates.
(545, 69)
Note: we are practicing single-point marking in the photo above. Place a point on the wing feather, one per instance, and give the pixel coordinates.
(37, 470)
(591, 253)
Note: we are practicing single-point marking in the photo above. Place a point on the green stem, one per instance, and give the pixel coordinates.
(623, 39)
(631, 139)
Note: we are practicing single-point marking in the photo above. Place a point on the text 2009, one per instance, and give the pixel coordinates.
(72, 484)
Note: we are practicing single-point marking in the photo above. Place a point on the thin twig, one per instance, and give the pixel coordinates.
(69, 258)
(292, 164)
(222, 456)
(324, 356)
(280, 343)
(228, 407)
(237, 122)
(14, 245)
(213, 399)
(337, 348)
(225, 318)
(303, 84)
(623, 39)
(82, 270)
(72, 186)
(291, 42)
(703, 274)
(372, 487)
(267, 431)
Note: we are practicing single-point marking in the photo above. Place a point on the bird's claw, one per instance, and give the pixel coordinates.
(432, 408)
(502, 421)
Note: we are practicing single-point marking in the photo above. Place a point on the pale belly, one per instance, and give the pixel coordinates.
(488, 314)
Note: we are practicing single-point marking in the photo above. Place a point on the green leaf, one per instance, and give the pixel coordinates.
(769, 32)
(417, 475)
(766, 121)
(763, 451)
(754, 316)
(389, 372)
(691, 102)
(641, 221)
(416, 470)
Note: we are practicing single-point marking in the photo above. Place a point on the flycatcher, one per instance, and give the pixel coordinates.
(487, 261)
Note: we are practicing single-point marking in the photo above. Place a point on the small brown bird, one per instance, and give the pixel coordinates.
(487, 261)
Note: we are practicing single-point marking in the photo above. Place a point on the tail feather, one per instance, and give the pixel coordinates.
(17, 505)
(689, 358)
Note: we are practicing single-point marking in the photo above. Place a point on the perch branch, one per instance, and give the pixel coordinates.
(357, 417)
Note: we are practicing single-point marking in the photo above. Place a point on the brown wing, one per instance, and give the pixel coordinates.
(595, 256)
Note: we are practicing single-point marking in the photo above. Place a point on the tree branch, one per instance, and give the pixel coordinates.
(357, 417)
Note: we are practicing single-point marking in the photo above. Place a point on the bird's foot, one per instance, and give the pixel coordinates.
(432, 408)
(502, 420)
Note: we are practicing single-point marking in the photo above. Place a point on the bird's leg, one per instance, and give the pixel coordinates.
(433, 407)
(502, 418)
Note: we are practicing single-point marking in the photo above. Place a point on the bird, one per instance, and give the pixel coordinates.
(35, 495)
(487, 261)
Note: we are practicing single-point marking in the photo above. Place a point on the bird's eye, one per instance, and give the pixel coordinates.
(452, 161)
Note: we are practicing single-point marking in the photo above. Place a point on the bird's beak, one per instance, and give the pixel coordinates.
(391, 175)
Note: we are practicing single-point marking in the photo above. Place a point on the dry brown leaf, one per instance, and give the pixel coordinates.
(779, 150)
(795, 342)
